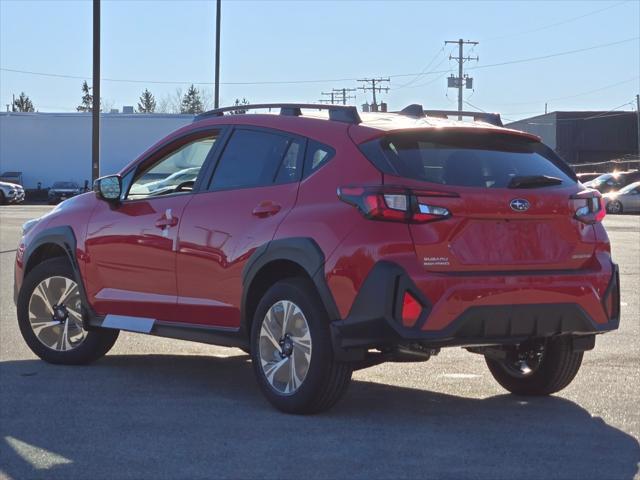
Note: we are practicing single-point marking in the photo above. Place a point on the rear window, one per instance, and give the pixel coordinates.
(465, 159)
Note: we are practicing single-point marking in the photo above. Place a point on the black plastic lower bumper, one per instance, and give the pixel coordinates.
(374, 320)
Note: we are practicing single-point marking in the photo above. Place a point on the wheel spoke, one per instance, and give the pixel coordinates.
(70, 288)
(288, 313)
(267, 330)
(294, 381)
(41, 323)
(271, 368)
(42, 293)
(63, 339)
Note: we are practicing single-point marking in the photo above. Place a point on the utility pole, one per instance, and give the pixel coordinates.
(461, 80)
(332, 101)
(95, 109)
(343, 93)
(374, 88)
(216, 94)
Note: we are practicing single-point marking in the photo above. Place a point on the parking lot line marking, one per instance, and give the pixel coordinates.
(460, 375)
(37, 457)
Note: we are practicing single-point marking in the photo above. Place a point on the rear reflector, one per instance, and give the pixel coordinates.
(395, 204)
(411, 310)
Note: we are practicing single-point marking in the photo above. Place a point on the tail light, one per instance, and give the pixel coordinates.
(590, 206)
(396, 204)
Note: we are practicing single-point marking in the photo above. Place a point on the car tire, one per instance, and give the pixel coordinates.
(291, 344)
(556, 369)
(614, 207)
(66, 342)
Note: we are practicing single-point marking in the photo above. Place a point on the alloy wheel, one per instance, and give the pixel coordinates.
(55, 314)
(285, 347)
(523, 363)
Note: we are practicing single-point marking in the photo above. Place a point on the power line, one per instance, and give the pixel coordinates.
(561, 22)
(551, 55)
(292, 82)
(595, 90)
(422, 72)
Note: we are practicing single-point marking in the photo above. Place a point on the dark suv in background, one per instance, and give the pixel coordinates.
(60, 191)
(329, 242)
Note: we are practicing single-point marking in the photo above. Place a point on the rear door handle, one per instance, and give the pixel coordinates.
(265, 209)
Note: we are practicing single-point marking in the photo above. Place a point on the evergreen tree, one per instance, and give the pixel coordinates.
(191, 102)
(87, 99)
(240, 103)
(22, 104)
(147, 103)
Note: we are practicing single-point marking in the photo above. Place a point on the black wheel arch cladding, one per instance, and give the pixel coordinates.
(302, 251)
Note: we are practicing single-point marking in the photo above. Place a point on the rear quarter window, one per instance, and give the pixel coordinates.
(465, 159)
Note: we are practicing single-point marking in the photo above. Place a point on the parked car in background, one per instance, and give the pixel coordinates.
(625, 200)
(586, 177)
(12, 177)
(11, 193)
(185, 177)
(62, 190)
(610, 182)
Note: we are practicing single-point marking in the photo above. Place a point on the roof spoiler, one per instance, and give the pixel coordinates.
(338, 113)
(415, 110)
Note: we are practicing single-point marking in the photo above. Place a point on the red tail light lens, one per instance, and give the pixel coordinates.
(590, 206)
(395, 204)
(411, 310)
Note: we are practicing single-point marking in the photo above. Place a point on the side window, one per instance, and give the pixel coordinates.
(173, 173)
(317, 155)
(254, 158)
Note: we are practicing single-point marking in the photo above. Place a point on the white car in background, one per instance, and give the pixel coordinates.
(625, 200)
(11, 193)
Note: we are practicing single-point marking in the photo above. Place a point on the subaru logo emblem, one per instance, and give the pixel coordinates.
(519, 205)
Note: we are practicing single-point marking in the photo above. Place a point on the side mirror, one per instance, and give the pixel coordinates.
(108, 188)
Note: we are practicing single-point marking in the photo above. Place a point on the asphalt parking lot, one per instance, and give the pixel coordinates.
(156, 408)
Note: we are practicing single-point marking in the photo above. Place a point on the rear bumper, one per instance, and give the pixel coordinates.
(494, 313)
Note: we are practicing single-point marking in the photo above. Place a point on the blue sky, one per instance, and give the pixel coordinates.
(332, 43)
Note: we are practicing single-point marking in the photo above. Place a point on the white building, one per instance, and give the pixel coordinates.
(49, 147)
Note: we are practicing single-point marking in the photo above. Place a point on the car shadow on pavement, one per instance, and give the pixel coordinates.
(168, 416)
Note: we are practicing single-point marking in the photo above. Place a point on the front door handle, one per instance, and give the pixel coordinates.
(265, 209)
(167, 220)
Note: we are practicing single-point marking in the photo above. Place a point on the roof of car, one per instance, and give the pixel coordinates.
(370, 124)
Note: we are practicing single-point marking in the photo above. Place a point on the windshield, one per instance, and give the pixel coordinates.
(603, 178)
(66, 185)
(472, 159)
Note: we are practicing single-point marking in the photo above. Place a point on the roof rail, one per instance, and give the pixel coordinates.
(416, 110)
(338, 113)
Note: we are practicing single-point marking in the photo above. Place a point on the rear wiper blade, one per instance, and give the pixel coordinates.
(533, 181)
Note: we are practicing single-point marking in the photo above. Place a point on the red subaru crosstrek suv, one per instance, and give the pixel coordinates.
(328, 242)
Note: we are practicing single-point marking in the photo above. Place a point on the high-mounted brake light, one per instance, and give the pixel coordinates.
(590, 206)
(395, 204)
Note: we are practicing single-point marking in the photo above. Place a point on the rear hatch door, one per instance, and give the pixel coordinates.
(511, 205)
